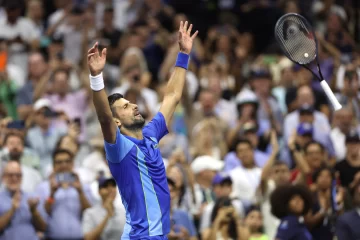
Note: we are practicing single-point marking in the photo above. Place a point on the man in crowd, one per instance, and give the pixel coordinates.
(104, 221)
(63, 199)
(19, 217)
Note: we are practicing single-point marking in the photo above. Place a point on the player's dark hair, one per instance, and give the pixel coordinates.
(61, 151)
(220, 203)
(313, 143)
(112, 99)
(282, 195)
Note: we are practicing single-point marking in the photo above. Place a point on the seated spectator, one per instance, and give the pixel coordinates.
(182, 225)
(225, 223)
(222, 187)
(43, 136)
(347, 225)
(254, 222)
(290, 204)
(104, 221)
(14, 149)
(19, 217)
(349, 168)
(245, 177)
(63, 199)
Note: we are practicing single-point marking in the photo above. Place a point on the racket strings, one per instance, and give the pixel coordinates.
(296, 39)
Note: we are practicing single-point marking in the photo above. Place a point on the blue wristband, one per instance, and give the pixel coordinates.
(182, 60)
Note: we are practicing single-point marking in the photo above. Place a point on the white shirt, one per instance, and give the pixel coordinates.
(245, 182)
(23, 28)
(338, 137)
(95, 163)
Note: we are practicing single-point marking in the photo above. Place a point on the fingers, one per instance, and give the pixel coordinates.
(189, 30)
(181, 26)
(103, 53)
(93, 49)
(194, 35)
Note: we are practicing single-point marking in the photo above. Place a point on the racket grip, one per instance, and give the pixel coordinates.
(329, 93)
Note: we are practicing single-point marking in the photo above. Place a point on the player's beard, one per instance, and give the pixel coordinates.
(137, 125)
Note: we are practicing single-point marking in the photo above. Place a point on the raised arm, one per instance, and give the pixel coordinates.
(96, 63)
(176, 82)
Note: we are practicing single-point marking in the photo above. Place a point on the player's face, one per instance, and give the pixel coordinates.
(128, 114)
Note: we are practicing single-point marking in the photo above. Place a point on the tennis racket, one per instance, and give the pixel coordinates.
(297, 40)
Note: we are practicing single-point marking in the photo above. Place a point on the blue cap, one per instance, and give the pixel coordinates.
(220, 178)
(305, 129)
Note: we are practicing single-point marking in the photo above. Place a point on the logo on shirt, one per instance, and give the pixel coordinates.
(284, 225)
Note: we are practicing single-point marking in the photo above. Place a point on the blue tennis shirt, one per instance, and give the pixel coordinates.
(139, 171)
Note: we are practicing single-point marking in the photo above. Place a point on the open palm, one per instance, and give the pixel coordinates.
(185, 38)
(96, 61)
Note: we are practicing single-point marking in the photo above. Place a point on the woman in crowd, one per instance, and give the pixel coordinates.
(290, 203)
(254, 222)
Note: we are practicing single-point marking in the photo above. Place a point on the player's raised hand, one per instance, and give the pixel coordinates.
(185, 38)
(96, 61)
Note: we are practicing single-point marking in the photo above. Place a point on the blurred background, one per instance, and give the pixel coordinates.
(250, 120)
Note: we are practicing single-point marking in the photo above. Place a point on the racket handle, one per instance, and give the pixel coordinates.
(329, 93)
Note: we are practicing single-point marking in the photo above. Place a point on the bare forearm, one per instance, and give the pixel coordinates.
(41, 86)
(38, 221)
(83, 201)
(176, 83)
(104, 115)
(96, 232)
(232, 134)
(6, 218)
(301, 163)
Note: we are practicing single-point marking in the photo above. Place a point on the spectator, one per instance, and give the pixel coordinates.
(290, 204)
(19, 216)
(343, 125)
(321, 217)
(222, 187)
(349, 168)
(204, 169)
(43, 137)
(63, 199)
(37, 74)
(182, 225)
(346, 226)
(254, 222)
(14, 149)
(244, 188)
(225, 222)
(104, 221)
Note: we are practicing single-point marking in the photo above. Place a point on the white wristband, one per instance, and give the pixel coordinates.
(97, 82)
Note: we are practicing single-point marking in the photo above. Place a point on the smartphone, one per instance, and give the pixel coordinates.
(17, 124)
(50, 113)
(3, 61)
(66, 177)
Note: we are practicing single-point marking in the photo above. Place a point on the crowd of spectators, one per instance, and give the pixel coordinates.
(254, 151)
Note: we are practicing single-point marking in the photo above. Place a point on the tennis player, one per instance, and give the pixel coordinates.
(132, 148)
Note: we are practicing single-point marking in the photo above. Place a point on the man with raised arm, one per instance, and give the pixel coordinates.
(132, 148)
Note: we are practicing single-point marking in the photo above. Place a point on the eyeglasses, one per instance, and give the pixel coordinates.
(11, 175)
(67, 161)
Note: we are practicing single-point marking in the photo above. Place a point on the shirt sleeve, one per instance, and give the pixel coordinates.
(116, 152)
(156, 127)
(88, 222)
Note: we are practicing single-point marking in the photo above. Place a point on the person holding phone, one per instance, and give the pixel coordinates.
(63, 199)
